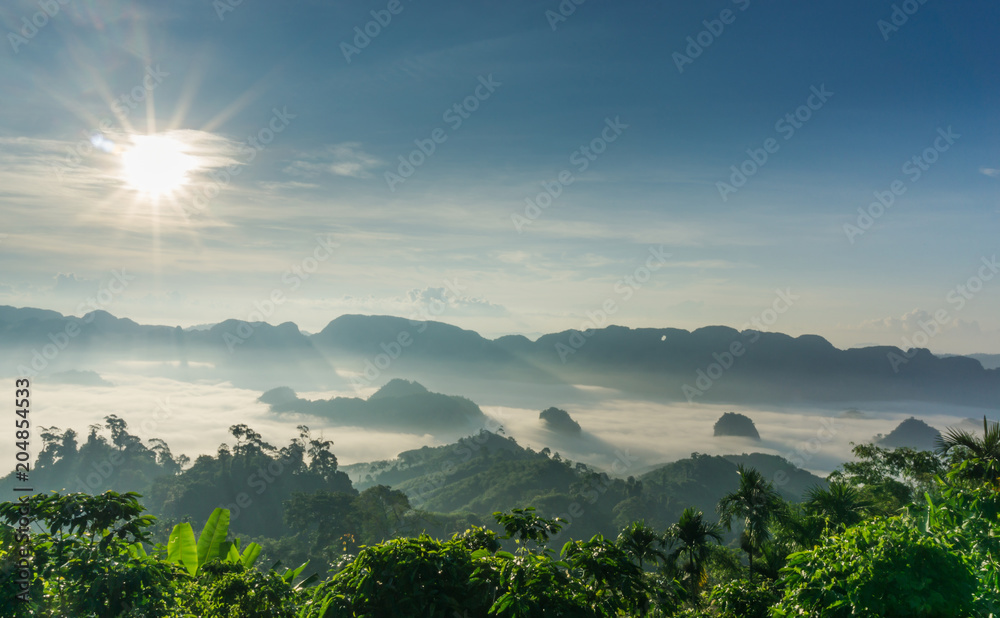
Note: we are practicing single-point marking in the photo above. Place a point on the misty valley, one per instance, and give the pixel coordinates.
(180, 425)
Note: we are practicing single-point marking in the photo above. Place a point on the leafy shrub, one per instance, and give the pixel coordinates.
(406, 577)
(743, 599)
(884, 567)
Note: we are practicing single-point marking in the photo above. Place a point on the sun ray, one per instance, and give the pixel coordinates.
(189, 89)
(248, 97)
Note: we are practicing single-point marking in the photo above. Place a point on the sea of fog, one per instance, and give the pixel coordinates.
(194, 418)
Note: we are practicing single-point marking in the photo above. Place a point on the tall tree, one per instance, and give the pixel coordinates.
(642, 543)
(758, 504)
(889, 478)
(839, 505)
(693, 537)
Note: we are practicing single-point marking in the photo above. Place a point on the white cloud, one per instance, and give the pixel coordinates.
(278, 187)
(990, 171)
(70, 283)
(344, 159)
(438, 302)
(462, 305)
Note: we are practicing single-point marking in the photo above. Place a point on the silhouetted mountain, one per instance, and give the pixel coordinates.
(711, 364)
(399, 388)
(560, 421)
(257, 354)
(277, 397)
(733, 424)
(399, 405)
(913, 433)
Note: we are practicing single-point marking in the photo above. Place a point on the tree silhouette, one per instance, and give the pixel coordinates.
(839, 505)
(642, 543)
(694, 537)
(757, 503)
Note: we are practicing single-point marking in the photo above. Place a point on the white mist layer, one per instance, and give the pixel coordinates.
(194, 419)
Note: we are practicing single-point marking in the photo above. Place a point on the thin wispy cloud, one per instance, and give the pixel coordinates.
(345, 159)
(440, 303)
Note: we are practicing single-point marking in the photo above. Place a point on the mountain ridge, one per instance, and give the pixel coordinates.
(708, 364)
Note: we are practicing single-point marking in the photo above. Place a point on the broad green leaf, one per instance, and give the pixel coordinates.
(307, 581)
(250, 554)
(182, 549)
(213, 535)
(233, 555)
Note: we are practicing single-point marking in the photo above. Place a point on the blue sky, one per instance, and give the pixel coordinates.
(446, 242)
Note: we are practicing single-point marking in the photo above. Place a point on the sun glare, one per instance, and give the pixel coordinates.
(156, 165)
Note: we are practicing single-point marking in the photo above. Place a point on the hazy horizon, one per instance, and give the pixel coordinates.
(425, 313)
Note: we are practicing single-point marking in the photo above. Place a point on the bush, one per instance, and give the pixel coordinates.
(743, 599)
(884, 567)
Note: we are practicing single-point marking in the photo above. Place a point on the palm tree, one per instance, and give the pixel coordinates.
(642, 543)
(694, 537)
(757, 503)
(838, 505)
(985, 451)
(773, 557)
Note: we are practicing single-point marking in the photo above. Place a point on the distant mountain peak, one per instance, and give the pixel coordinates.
(278, 396)
(734, 424)
(398, 387)
(560, 421)
(99, 315)
(912, 433)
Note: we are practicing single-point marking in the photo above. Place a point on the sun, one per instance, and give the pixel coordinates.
(156, 165)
